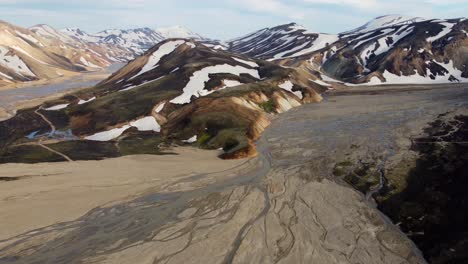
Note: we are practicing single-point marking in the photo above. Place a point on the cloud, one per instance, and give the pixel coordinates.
(220, 18)
(353, 3)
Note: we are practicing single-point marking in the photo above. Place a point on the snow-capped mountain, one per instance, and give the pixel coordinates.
(49, 32)
(178, 32)
(396, 49)
(80, 35)
(43, 52)
(285, 41)
(136, 40)
(384, 22)
(387, 49)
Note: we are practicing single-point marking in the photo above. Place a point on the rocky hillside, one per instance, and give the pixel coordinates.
(44, 53)
(179, 91)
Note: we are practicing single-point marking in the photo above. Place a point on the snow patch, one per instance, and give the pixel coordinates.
(163, 50)
(86, 101)
(14, 63)
(160, 108)
(5, 76)
(57, 107)
(196, 85)
(88, 64)
(288, 86)
(27, 54)
(250, 63)
(230, 83)
(29, 37)
(447, 28)
(148, 123)
(191, 140)
(108, 135)
(320, 82)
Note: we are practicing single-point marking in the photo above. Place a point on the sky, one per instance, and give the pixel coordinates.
(219, 19)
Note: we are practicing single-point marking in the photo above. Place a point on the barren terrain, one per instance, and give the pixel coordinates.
(288, 205)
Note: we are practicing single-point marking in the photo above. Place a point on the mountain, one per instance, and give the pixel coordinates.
(136, 41)
(281, 42)
(178, 91)
(44, 53)
(80, 35)
(390, 49)
(385, 21)
(178, 32)
(49, 32)
(393, 50)
(106, 51)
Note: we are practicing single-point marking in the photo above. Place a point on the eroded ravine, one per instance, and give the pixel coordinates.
(288, 208)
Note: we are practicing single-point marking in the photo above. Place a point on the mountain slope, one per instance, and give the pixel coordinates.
(27, 56)
(281, 42)
(410, 50)
(179, 91)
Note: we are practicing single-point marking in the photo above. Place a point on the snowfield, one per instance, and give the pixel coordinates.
(163, 50)
(196, 85)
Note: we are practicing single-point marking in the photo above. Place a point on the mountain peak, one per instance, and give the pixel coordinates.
(385, 21)
(178, 32)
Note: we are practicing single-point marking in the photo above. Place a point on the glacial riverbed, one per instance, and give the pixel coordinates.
(286, 207)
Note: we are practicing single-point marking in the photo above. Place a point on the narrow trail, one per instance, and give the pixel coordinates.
(52, 131)
(52, 127)
(54, 151)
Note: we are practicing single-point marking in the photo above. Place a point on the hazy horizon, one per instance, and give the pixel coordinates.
(220, 19)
